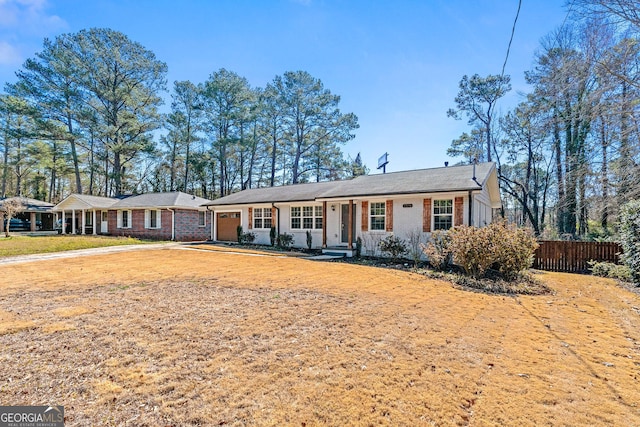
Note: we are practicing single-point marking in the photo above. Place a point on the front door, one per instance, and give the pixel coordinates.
(344, 224)
(104, 222)
(228, 223)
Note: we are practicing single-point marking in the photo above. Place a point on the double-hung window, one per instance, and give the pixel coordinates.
(442, 214)
(318, 217)
(152, 218)
(377, 215)
(262, 218)
(296, 217)
(202, 219)
(124, 219)
(306, 217)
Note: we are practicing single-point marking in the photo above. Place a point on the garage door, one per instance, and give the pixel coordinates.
(228, 223)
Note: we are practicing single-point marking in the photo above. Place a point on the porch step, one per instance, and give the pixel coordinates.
(339, 251)
(325, 257)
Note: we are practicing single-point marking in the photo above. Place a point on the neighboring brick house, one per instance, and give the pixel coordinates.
(370, 207)
(164, 216)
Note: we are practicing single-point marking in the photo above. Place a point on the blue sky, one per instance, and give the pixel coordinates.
(395, 64)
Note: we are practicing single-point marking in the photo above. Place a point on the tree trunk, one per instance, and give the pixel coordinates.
(117, 174)
(5, 166)
(604, 216)
(274, 155)
(74, 153)
(187, 155)
(557, 142)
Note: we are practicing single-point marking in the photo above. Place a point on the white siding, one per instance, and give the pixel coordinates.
(405, 219)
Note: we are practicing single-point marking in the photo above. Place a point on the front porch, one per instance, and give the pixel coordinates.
(83, 214)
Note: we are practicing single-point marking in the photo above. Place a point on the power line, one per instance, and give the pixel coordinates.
(513, 30)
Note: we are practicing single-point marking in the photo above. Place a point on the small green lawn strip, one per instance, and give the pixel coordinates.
(27, 245)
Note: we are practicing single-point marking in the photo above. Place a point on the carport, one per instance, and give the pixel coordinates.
(34, 211)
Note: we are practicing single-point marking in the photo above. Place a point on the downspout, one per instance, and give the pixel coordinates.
(470, 208)
(474, 179)
(273, 205)
(211, 221)
(173, 224)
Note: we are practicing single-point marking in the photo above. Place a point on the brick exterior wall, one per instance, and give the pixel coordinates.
(187, 226)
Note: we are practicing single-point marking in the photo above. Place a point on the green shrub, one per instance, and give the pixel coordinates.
(394, 246)
(610, 270)
(244, 237)
(285, 241)
(438, 249)
(309, 239)
(630, 238)
(358, 247)
(248, 238)
(273, 236)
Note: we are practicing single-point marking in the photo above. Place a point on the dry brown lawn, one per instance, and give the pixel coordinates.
(196, 337)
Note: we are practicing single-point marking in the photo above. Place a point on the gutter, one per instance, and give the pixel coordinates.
(347, 197)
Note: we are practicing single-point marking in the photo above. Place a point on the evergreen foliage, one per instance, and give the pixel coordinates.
(630, 238)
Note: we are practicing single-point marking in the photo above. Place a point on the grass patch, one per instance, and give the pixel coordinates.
(27, 245)
(71, 311)
(57, 327)
(193, 337)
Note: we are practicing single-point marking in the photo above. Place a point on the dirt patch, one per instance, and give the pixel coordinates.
(180, 337)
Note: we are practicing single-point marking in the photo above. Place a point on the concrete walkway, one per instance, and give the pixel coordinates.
(165, 245)
(80, 252)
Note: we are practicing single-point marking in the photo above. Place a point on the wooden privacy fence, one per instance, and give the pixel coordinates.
(572, 257)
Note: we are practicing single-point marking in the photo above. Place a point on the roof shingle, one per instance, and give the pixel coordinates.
(443, 179)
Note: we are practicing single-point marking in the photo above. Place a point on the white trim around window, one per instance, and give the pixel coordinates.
(377, 216)
(262, 218)
(124, 219)
(442, 214)
(153, 218)
(306, 217)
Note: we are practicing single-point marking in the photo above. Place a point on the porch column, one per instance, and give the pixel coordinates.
(324, 224)
(83, 222)
(73, 221)
(93, 217)
(350, 225)
(32, 218)
(64, 224)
